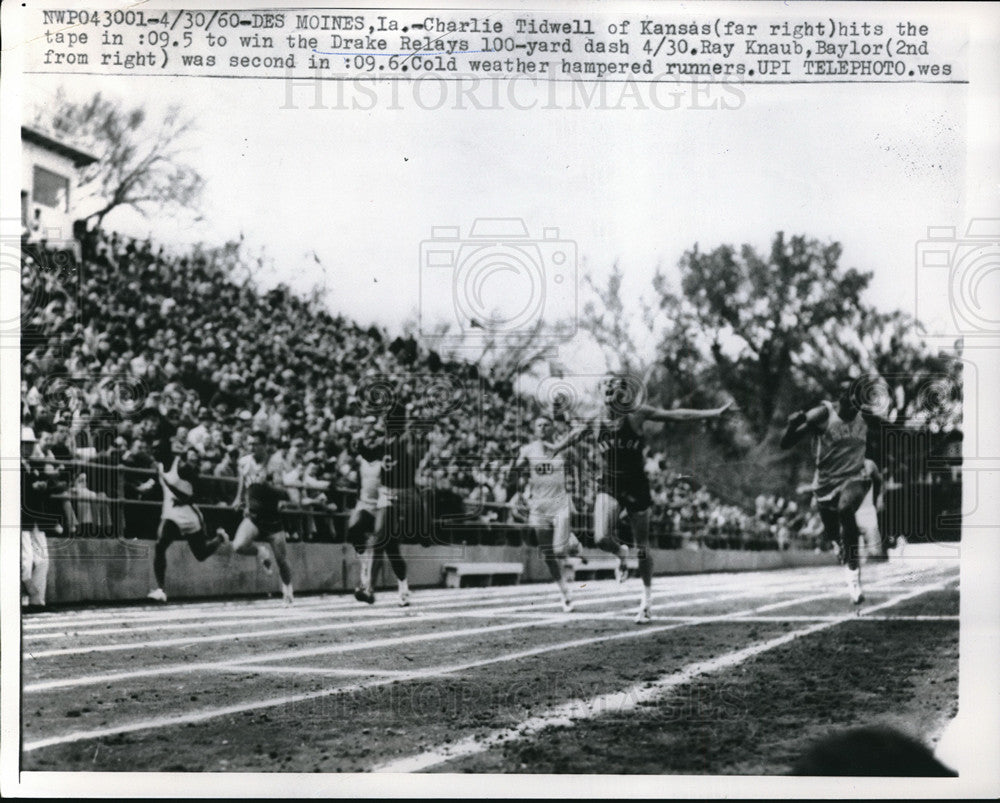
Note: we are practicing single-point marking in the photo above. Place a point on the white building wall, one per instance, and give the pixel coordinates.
(57, 224)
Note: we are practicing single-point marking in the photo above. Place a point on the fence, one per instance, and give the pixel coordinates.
(111, 500)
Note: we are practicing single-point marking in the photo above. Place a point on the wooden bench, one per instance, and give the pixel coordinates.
(505, 573)
(597, 568)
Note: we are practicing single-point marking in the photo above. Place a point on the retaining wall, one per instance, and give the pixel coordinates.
(99, 570)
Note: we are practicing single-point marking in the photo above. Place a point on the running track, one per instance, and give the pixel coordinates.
(459, 677)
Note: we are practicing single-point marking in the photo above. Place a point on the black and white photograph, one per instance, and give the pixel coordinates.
(562, 399)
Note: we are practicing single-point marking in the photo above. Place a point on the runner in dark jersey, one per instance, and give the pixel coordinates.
(623, 486)
(399, 516)
(262, 500)
(840, 438)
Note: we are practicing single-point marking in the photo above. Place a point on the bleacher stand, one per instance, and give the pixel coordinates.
(137, 354)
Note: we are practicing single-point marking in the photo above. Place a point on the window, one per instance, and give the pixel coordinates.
(50, 189)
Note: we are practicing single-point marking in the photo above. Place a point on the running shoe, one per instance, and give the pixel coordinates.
(854, 587)
(362, 595)
(404, 599)
(644, 616)
(567, 605)
(157, 594)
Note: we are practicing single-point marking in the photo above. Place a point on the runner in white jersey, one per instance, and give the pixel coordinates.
(549, 505)
(180, 519)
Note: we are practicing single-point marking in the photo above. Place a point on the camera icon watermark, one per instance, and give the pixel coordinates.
(965, 270)
(577, 399)
(421, 401)
(929, 489)
(497, 284)
(444, 417)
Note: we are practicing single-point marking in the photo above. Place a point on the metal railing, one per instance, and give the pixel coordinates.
(108, 503)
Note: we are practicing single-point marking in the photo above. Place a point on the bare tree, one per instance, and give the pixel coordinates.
(140, 162)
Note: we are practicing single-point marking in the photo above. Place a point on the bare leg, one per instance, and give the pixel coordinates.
(553, 553)
(278, 547)
(606, 513)
(398, 564)
(203, 549)
(606, 510)
(640, 532)
(245, 543)
(167, 534)
(851, 496)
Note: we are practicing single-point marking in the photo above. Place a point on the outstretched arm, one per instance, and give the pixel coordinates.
(681, 414)
(571, 437)
(517, 465)
(801, 422)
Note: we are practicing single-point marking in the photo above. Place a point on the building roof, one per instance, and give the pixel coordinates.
(79, 157)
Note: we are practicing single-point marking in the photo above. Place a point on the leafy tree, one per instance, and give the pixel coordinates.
(775, 332)
(140, 161)
(759, 312)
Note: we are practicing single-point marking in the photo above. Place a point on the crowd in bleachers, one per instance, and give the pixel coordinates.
(138, 354)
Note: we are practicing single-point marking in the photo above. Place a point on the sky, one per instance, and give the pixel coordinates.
(635, 180)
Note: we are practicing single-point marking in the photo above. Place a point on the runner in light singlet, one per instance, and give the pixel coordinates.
(840, 438)
(549, 504)
(180, 520)
(361, 524)
(623, 485)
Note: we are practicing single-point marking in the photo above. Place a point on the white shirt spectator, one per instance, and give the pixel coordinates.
(199, 437)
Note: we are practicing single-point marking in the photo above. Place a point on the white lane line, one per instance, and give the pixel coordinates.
(198, 611)
(114, 677)
(763, 619)
(422, 601)
(433, 672)
(544, 597)
(293, 614)
(724, 618)
(493, 613)
(415, 615)
(316, 670)
(184, 668)
(542, 600)
(568, 713)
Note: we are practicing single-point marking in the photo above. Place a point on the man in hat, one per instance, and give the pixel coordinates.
(180, 519)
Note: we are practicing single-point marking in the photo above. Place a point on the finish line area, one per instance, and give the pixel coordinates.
(497, 679)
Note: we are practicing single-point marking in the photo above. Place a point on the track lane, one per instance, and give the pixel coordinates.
(422, 673)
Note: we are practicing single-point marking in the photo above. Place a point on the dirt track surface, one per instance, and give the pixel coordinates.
(736, 674)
